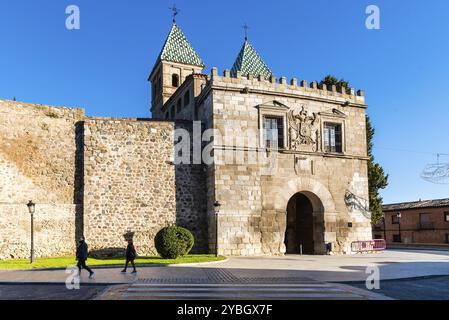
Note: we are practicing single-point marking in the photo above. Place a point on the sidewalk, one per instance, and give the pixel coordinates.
(393, 264)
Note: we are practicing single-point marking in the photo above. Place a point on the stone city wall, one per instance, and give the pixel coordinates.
(37, 162)
(133, 187)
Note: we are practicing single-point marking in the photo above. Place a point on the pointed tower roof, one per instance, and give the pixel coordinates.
(178, 49)
(249, 62)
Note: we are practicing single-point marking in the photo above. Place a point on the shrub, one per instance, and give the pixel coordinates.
(173, 241)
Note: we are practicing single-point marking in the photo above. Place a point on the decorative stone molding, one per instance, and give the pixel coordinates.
(304, 133)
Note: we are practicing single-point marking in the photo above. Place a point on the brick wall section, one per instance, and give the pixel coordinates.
(37, 162)
(433, 232)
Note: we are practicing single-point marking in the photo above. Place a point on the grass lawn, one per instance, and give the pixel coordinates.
(63, 262)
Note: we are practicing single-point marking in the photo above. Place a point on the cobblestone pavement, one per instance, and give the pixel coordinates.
(48, 292)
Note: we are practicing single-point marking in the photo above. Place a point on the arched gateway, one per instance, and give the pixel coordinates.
(305, 224)
(307, 212)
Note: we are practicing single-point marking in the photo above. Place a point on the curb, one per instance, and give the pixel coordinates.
(196, 263)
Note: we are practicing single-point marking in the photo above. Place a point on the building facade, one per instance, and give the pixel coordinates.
(419, 222)
(286, 161)
(308, 188)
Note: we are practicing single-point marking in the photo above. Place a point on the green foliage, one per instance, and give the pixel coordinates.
(173, 241)
(377, 179)
(63, 262)
(14, 99)
(331, 80)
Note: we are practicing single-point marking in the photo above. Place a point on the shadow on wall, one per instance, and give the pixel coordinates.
(113, 252)
(191, 194)
(78, 195)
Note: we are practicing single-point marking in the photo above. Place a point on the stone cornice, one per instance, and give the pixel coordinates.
(246, 90)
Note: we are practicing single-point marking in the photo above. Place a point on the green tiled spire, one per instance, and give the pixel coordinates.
(178, 49)
(249, 62)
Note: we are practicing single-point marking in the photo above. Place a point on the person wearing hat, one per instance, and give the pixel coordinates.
(81, 255)
(130, 256)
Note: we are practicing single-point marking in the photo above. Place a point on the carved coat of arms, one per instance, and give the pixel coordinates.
(304, 133)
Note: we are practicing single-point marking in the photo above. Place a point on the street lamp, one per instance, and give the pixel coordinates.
(217, 206)
(399, 225)
(31, 207)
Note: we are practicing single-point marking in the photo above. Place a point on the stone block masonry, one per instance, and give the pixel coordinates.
(37, 162)
(98, 177)
(132, 186)
(129, 182)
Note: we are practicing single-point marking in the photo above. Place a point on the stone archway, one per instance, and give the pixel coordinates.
(304, 224)
(274, 214)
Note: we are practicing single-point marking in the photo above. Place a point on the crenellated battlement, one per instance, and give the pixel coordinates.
(282, 85)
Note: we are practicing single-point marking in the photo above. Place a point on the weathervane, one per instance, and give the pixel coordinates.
(245, 27)
(175, 12)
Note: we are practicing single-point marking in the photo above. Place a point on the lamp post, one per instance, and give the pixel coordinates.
(31, 207)
(399, 225)
(217, 206)
(385, 228)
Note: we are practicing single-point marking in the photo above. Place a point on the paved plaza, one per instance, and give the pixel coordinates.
(287, 277)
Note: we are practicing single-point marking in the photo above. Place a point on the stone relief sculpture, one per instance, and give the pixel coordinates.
(304, 133)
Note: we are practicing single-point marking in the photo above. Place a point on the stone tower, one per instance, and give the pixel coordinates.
(176, 61)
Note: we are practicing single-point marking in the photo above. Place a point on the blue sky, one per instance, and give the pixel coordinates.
(103, 67)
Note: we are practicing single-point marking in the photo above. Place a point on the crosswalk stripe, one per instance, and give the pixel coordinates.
(140, 291)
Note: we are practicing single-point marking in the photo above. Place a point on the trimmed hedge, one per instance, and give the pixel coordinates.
(173, 241)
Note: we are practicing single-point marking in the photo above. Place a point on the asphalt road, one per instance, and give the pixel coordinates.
(48, 292)
(429, 288)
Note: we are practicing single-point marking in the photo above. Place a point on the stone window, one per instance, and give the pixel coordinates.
(332, 137)
(178, 106)
(167, 115)
(175, 80)
(447, 237)
(186, 98)
(446, 216)
(172, 112)
(274, 131)
(396, 238)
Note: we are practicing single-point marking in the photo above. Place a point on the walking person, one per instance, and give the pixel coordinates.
(81, 255)
(130, 256)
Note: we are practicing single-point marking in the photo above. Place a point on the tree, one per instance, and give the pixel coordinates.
(377, 179)
(14, 99)
(331, 80)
